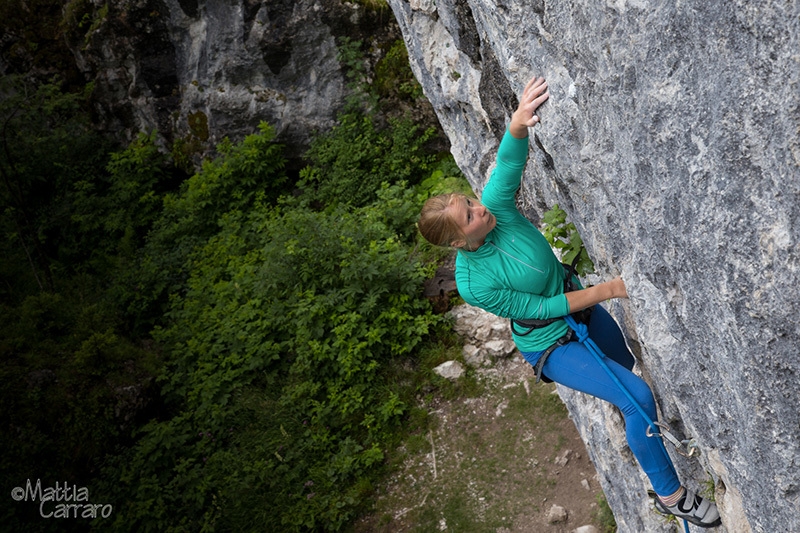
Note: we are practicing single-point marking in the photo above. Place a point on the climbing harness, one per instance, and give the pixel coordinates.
(570, 273)
(537, 370)
(655, 429)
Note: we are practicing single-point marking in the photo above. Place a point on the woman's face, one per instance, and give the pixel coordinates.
(474, 220)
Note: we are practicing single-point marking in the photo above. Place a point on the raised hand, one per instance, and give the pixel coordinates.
(525, 116)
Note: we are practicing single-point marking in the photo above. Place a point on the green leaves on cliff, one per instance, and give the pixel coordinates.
(564, 237)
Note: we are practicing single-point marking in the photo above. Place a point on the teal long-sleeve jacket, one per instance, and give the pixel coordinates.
(515, 273)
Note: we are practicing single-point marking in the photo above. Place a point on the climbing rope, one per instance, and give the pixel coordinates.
(654, 429)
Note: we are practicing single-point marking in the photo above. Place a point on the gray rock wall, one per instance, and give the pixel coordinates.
(202, 70)
(672, 139)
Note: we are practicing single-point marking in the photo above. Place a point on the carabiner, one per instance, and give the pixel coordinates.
(689, 444)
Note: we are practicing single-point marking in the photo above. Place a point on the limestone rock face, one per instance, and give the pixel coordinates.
(671, 138)
(202, 70)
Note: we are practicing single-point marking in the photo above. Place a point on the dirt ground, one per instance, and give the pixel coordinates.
(497, 462)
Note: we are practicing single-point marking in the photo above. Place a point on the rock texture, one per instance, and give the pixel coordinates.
(451, 370)
(671, 137)
(201, 70)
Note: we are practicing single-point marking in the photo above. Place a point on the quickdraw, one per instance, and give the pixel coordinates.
(690, 445)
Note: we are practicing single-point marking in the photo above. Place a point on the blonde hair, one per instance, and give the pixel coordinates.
(437, 224)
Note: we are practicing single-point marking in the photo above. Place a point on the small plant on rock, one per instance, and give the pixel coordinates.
(564, 237)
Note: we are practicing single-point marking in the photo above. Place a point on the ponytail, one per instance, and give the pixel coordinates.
(436, 223)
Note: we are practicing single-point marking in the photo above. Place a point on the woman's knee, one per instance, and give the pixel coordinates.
(642, 393)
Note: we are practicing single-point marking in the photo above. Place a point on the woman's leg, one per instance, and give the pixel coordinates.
(605, 332)
(573, 366)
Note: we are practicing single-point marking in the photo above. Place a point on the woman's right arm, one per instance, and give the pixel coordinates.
(510, 303)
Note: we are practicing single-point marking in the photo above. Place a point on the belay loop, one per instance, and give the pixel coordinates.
(655, 429)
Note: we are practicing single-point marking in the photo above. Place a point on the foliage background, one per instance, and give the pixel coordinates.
(229, 349)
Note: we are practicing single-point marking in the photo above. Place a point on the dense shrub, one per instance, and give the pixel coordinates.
(276, 354)
(251, 169)
(121, 205)
(350, 162)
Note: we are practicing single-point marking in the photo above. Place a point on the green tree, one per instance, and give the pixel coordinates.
(276, 376)
(244, 173)
(46, 145)
(123, 203)
(350, 162)
(75, 382)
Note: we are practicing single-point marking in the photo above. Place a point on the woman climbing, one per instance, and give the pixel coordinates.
(505, 266)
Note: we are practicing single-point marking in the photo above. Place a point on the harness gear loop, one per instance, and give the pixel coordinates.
(543, 359)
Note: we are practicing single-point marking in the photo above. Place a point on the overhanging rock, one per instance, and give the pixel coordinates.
(671, 138)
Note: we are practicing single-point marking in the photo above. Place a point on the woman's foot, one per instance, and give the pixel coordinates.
(692, 508)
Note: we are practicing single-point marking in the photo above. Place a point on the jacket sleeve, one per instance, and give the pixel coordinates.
(510, 303)
(512, 155)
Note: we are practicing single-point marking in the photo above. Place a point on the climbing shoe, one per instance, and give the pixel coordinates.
(692, 508)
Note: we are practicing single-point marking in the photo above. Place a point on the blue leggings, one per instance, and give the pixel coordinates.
(573, 366)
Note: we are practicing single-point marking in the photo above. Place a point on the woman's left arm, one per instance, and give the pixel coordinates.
(525, 117)
(512, 154)
(585, 298)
